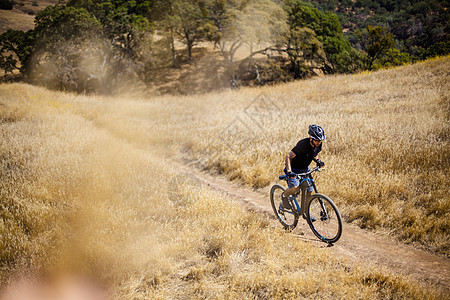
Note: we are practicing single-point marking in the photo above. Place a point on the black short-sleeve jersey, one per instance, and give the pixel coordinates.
(304, 154)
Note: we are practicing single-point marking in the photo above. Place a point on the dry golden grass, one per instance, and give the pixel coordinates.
(88, 185)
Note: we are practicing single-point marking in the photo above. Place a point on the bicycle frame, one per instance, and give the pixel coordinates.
(306, 181)
(318, 210)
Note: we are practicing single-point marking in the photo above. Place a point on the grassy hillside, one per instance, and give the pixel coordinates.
(88, 185)
(21, 17)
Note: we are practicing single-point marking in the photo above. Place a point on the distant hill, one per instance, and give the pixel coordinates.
(21, 16)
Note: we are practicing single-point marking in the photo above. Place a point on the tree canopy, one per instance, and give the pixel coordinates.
(87, 45)
(416, 25)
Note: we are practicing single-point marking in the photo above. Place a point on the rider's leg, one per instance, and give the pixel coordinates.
(291, 190)
(293, 185)
(286, 194)
(309, 191)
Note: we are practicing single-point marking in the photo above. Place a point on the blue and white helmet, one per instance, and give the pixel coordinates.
(316, 132)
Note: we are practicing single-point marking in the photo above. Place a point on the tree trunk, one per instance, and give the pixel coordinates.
(174, 54)
(189, 48)
(189, 43)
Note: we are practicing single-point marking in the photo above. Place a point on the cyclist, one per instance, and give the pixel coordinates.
(298, 161)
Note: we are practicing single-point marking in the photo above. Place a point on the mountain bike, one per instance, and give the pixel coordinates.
(319, 210)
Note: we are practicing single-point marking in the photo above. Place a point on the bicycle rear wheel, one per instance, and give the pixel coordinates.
(324, 218)
(287, 217)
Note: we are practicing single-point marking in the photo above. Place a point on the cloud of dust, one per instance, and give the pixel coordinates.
(261, 23)
(84, 64)
(95, 203)
(92, 64)
(258, 25)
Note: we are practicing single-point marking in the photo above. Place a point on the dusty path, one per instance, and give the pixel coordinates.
(355, 245)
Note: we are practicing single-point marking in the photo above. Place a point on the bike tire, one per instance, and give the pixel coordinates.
(288, 218)
(327, 226)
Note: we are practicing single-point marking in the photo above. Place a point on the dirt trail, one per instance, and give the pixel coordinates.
(355, 245)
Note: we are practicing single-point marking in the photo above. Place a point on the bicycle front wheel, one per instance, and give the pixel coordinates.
(324, 218)
(287, 217)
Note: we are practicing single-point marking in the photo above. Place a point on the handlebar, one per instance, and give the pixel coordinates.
(299, 176)
(316, 169)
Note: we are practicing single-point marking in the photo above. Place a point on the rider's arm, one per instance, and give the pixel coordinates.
(319, 163)
(289, 158)
(317, 155)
